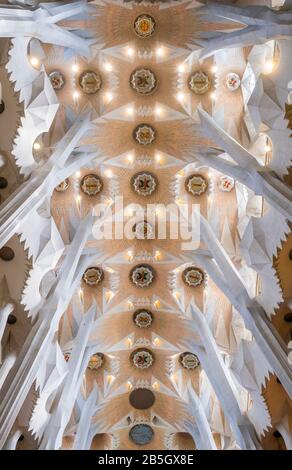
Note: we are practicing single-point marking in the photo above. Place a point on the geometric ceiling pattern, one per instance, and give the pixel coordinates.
(144, 225)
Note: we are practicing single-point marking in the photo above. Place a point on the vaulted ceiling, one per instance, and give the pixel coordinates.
(145, 286)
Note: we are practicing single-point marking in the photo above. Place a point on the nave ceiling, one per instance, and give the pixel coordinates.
(139, 343)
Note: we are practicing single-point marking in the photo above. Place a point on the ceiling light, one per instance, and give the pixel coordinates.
(180, 96)
(75, 68)
(267, 148)
(155, 386)
(34, 61)
(108, 67)
(157, 255)
(213, 96)
(81, 295)
(269, 65)
(108, 173)
(214, 68)
(130, 51)
(109, 295)
(181, 68)
(78, 202)
(130, 111)
(130, 158)
(160, 51)
(158, 111)
(36, 146)
(109, 96)
(75, 95)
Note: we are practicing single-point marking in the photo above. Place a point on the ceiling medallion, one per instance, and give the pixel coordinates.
(232, 81)
(142, 275)
(11, 319)
(226, 183)
(144, 134)
(90, 82)
(288, 317)
(3, 182)
(93, 276)
(189, 360)
(141, 434)
(144, 183)
(63, 186)
(142, 398)
(91, 185)
(193, 277)
(143, 81)
(196, 185)
(96, 361)
(142, 358)
(199, 83)
(143, 230)
(57, 79)
(6, 253)
(143, 318)
(144, 26)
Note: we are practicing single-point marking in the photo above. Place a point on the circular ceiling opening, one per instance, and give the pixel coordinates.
(141, 434)
(11, 320)
(142, 398)
(288, 317)
(6, 253)
(3, 182)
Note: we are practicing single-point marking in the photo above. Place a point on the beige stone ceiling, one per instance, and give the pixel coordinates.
(115, 137)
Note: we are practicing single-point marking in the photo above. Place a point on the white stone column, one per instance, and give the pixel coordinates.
(4, 313)
(6, 366)
(12, 440)
(66, 396)
(36, 346)
(247, 170)
(40, 23)
(284, 429)
(221, 381)
(224, 274)
(202, 427)
(262, 24)
(32, 193)
(89, 408)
